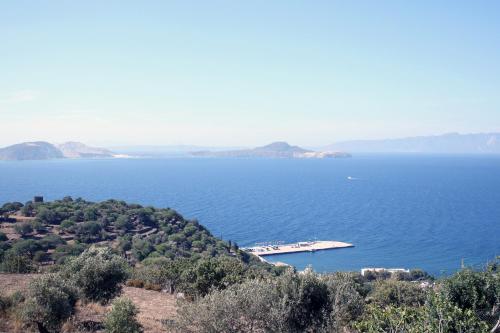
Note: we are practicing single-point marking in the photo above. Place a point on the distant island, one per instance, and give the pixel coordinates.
(451, 143)
(41, 150)
(274, 150)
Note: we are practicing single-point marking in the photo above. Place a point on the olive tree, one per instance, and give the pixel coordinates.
(98, 274)
(122, 317)
(346, 298)
(50, 301)
(252, 306)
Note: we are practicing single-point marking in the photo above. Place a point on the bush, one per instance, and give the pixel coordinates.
(23, 228)
(211, 273)
(89, 232)
(3, 237)
(346, 299)
(11, 207)
(37, 226)
(135, 283)
(5, 304)
(8, 302)
(397, 293)
(475, 291)
(49, 302)
(51, 241)
(393, 319)
(63, 252)
(26, 247)
(41, 256)
(288, 303)
(98, 273)
(308, 298)
(252, 306)
(152, 286)
(47, 216)
(14, 263)
(123, 222)
(141, 248)
(122, 317)
(67, 224)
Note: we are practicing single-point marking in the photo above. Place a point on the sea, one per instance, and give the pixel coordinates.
(400, 211)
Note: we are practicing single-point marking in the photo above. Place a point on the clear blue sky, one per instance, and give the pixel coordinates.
(246, 72)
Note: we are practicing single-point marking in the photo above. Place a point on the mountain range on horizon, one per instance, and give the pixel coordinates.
(450, 143)
(41, 150)
(279, 149)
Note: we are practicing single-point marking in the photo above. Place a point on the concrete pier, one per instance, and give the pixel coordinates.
(267, 250)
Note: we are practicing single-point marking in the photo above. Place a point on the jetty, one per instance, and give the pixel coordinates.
(271, 249)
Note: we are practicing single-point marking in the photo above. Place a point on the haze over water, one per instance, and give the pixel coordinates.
(409, 211)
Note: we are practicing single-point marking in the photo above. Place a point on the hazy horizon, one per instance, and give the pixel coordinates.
(246, 74)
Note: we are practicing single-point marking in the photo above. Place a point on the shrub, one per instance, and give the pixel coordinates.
(392, 319)
(47, 216)
(14, 263)
(4, 303)
(3, 237)
(37, 226)
(346, 299)
(141, 248)
(26, 247)
(252, 306)
(475, 291)
(89, 232)
(11, 207)
(49, 302)
(40, 256)
(10, 301)
(397, 293)
(211, 273)
(308, 298)
(90, 214)
(51, 241)
(444, 316)
(123, 222)
(23, 228)
(67, 224)
(135, 283)
(63, 252)
(122, 317)
(288, 303)
(98, 273)
(152, 286)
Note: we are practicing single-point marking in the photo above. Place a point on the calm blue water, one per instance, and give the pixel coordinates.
(401, 211)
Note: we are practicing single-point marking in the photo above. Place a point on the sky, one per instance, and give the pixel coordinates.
(246, 73)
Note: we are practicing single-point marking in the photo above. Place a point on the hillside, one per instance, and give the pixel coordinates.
(42, 150)
(150, 249)
(79, 150)
(452, 143)
(174, 276)
(38, 150)
(274, 150)
(48, 232)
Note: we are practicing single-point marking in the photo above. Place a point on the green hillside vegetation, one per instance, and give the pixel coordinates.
(88, 251)
(49, 232)
(166, 250)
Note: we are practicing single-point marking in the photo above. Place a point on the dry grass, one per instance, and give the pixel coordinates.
(153, 306)
(10, 283)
